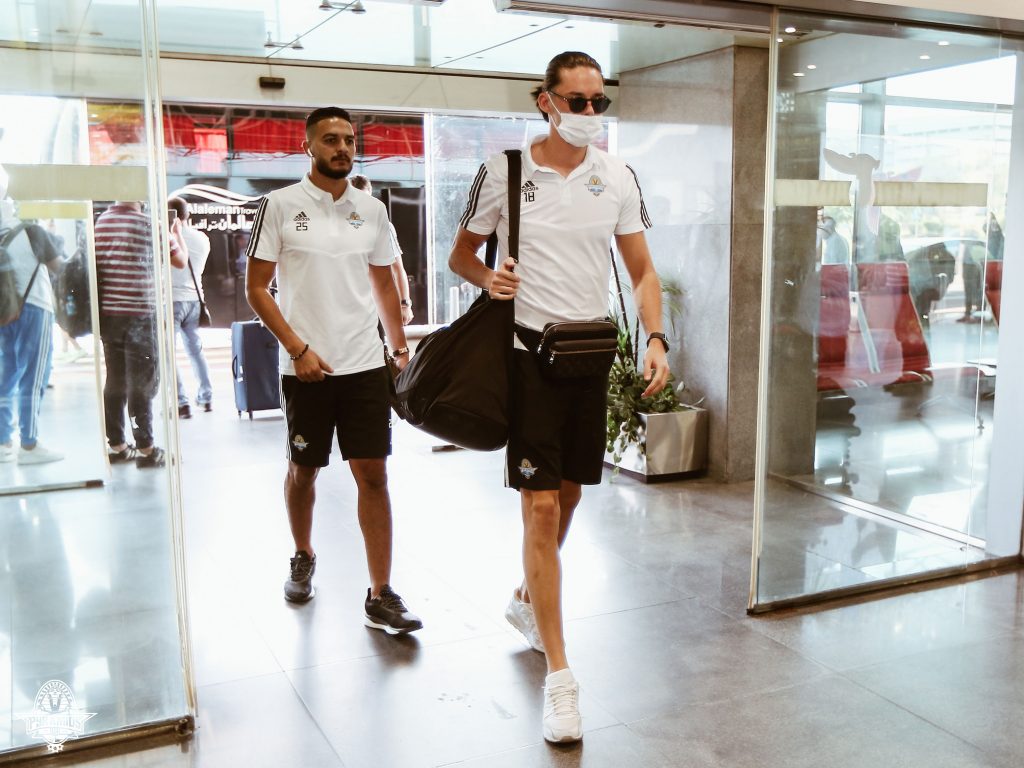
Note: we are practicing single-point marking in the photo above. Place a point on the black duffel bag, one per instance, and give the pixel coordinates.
(456, 386)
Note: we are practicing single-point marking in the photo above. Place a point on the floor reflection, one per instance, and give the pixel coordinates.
(918, 449)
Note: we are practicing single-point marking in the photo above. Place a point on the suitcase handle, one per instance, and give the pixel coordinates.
(234, 367)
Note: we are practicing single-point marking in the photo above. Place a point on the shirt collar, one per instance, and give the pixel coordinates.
(324, 197)
(530, 167)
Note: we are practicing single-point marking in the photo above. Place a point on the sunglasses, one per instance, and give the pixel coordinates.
(578, 104)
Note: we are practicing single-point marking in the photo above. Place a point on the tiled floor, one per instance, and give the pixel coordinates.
(673, 672)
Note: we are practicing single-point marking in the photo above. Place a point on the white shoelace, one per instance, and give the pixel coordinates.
(562, 700)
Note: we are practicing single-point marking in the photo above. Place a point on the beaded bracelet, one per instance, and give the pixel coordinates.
(296, 357)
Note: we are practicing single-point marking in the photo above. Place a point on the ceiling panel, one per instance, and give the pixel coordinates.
(457, 34)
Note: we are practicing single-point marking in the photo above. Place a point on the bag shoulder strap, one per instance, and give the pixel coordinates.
(195, 282)
(7, 237)
(5, 241)
(515, 173)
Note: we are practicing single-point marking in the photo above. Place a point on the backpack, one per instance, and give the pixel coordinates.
(11, 299)
(71, 302)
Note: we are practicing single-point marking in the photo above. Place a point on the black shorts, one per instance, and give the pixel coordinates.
(557, 429)
(355, 403)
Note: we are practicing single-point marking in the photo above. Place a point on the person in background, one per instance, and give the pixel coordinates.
(125, 275)
(26, 343)
(186, 292)
(359, 181)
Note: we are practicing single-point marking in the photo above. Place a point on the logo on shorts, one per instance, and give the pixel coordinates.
(526, 469)
(595, 185)
(301, 222)
(355, 221)
(299, 443)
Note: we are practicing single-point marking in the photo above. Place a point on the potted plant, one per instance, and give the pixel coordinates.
(651, 438)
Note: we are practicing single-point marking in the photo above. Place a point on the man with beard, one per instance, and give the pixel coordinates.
(330, 247)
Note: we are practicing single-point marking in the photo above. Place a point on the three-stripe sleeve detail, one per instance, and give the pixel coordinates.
(474, 196)
(644, 218)
(257, 225)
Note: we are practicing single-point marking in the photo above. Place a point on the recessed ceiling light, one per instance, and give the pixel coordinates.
(569, 26)
(943, 42)
(778, 39)
(798, 74)
(812, 66)
(924, 57)
(790, 30)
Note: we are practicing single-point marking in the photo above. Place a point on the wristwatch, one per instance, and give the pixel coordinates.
(405, 302)
(660, 337)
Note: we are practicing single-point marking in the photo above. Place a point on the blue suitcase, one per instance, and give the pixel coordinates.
(254, 367)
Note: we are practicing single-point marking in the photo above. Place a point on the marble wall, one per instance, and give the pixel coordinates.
(694, 131)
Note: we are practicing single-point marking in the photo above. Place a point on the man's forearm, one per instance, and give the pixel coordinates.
(463, 261)
(385, 296)
(269, 312)
(648, 302)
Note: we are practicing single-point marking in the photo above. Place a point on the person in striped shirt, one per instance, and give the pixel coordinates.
(125, 268)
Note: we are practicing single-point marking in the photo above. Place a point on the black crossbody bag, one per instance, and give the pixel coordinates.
(575, 350)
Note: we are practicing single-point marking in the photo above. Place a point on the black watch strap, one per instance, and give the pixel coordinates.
(660, 337)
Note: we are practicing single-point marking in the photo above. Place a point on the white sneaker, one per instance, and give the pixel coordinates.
(562, 721)
(38, 455)
(7, 452)
(520, 615)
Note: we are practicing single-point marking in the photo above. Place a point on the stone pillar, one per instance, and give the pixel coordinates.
(694, 131)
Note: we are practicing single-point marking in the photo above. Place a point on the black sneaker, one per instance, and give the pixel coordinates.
(299, 587)
(388, 612)
(129, 453)
(154, 458)
(185, 411)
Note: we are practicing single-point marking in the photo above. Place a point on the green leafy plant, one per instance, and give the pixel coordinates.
(626, 384)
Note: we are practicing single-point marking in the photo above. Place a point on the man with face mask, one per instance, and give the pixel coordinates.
(574, 199)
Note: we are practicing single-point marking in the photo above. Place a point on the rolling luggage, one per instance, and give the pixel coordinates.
(254, 367)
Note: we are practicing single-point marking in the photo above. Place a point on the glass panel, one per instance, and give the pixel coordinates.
(91, 613)
(892, 159)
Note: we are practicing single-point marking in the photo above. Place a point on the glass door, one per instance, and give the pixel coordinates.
(880, 416)
(93, 633)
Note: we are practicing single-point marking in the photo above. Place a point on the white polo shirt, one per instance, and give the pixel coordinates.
(323, 249)
(565, 231)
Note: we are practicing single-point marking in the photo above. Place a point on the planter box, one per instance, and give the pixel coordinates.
(676, 443)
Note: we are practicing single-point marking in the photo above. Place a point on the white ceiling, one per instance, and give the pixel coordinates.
(456, 34)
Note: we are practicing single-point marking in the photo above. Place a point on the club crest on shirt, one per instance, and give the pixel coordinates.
(355, 221)
(526, 469)
(595, 185)
(301, 222)
(529, 190)
(299, 443)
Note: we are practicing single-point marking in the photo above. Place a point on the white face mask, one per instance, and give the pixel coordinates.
(578, 130)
